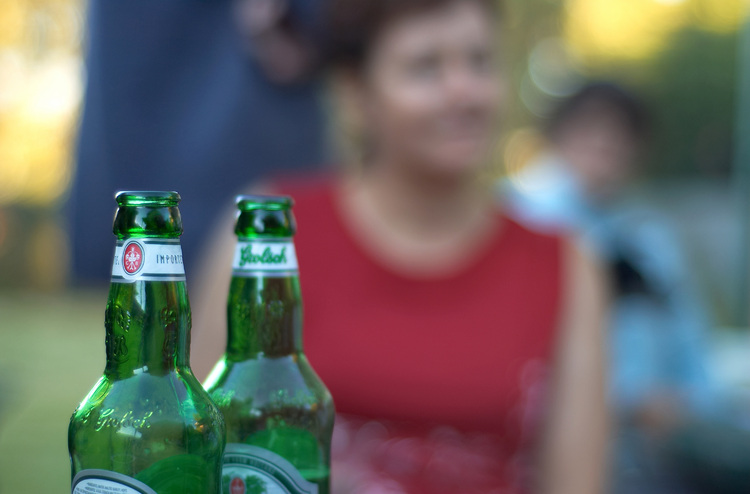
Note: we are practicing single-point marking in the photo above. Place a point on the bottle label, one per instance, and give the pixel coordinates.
(146, 259)
(106, 482)
(250, 469)
(265, 258)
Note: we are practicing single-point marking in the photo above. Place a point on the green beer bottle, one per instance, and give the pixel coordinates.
(279, 415)
(147, 426)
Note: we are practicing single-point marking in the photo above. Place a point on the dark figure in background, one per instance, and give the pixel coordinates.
(194, 96)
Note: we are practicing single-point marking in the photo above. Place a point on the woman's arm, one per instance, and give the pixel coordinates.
(209, 333)
(575, 449)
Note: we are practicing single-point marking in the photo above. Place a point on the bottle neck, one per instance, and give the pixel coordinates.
(264, 308)
(147, 319)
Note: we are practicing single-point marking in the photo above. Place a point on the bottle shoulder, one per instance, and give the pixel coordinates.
(139, 400)
(264, 383)
(150, 428)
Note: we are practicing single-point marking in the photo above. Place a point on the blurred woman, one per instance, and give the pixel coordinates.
(463, 352)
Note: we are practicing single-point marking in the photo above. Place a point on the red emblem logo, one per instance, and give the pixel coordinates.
(132, 258)
(237, 486)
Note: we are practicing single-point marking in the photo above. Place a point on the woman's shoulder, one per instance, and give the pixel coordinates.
(314, 206)
(526, 239)
(304, 187)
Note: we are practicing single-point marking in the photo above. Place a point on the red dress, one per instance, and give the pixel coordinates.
(438, 382)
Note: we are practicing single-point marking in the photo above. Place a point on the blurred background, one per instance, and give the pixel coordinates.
(689, 59)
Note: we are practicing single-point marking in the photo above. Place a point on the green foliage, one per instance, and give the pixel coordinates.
(691, 87)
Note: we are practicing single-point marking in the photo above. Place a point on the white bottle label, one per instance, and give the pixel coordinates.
(105, 482)
(249, 469)
(265, 258)
(146, 259)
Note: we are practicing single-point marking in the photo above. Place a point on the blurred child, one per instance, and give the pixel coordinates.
(658, 324)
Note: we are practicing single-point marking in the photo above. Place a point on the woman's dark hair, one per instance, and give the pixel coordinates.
(353, 25)
(603, 96)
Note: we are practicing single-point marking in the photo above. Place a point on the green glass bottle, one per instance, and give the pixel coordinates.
(147, 426)
(279, 415)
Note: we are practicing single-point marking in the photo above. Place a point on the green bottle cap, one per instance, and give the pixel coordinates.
(261, 216)
(147, 214)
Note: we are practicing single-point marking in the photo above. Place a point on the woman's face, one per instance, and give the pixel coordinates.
(431, 89)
